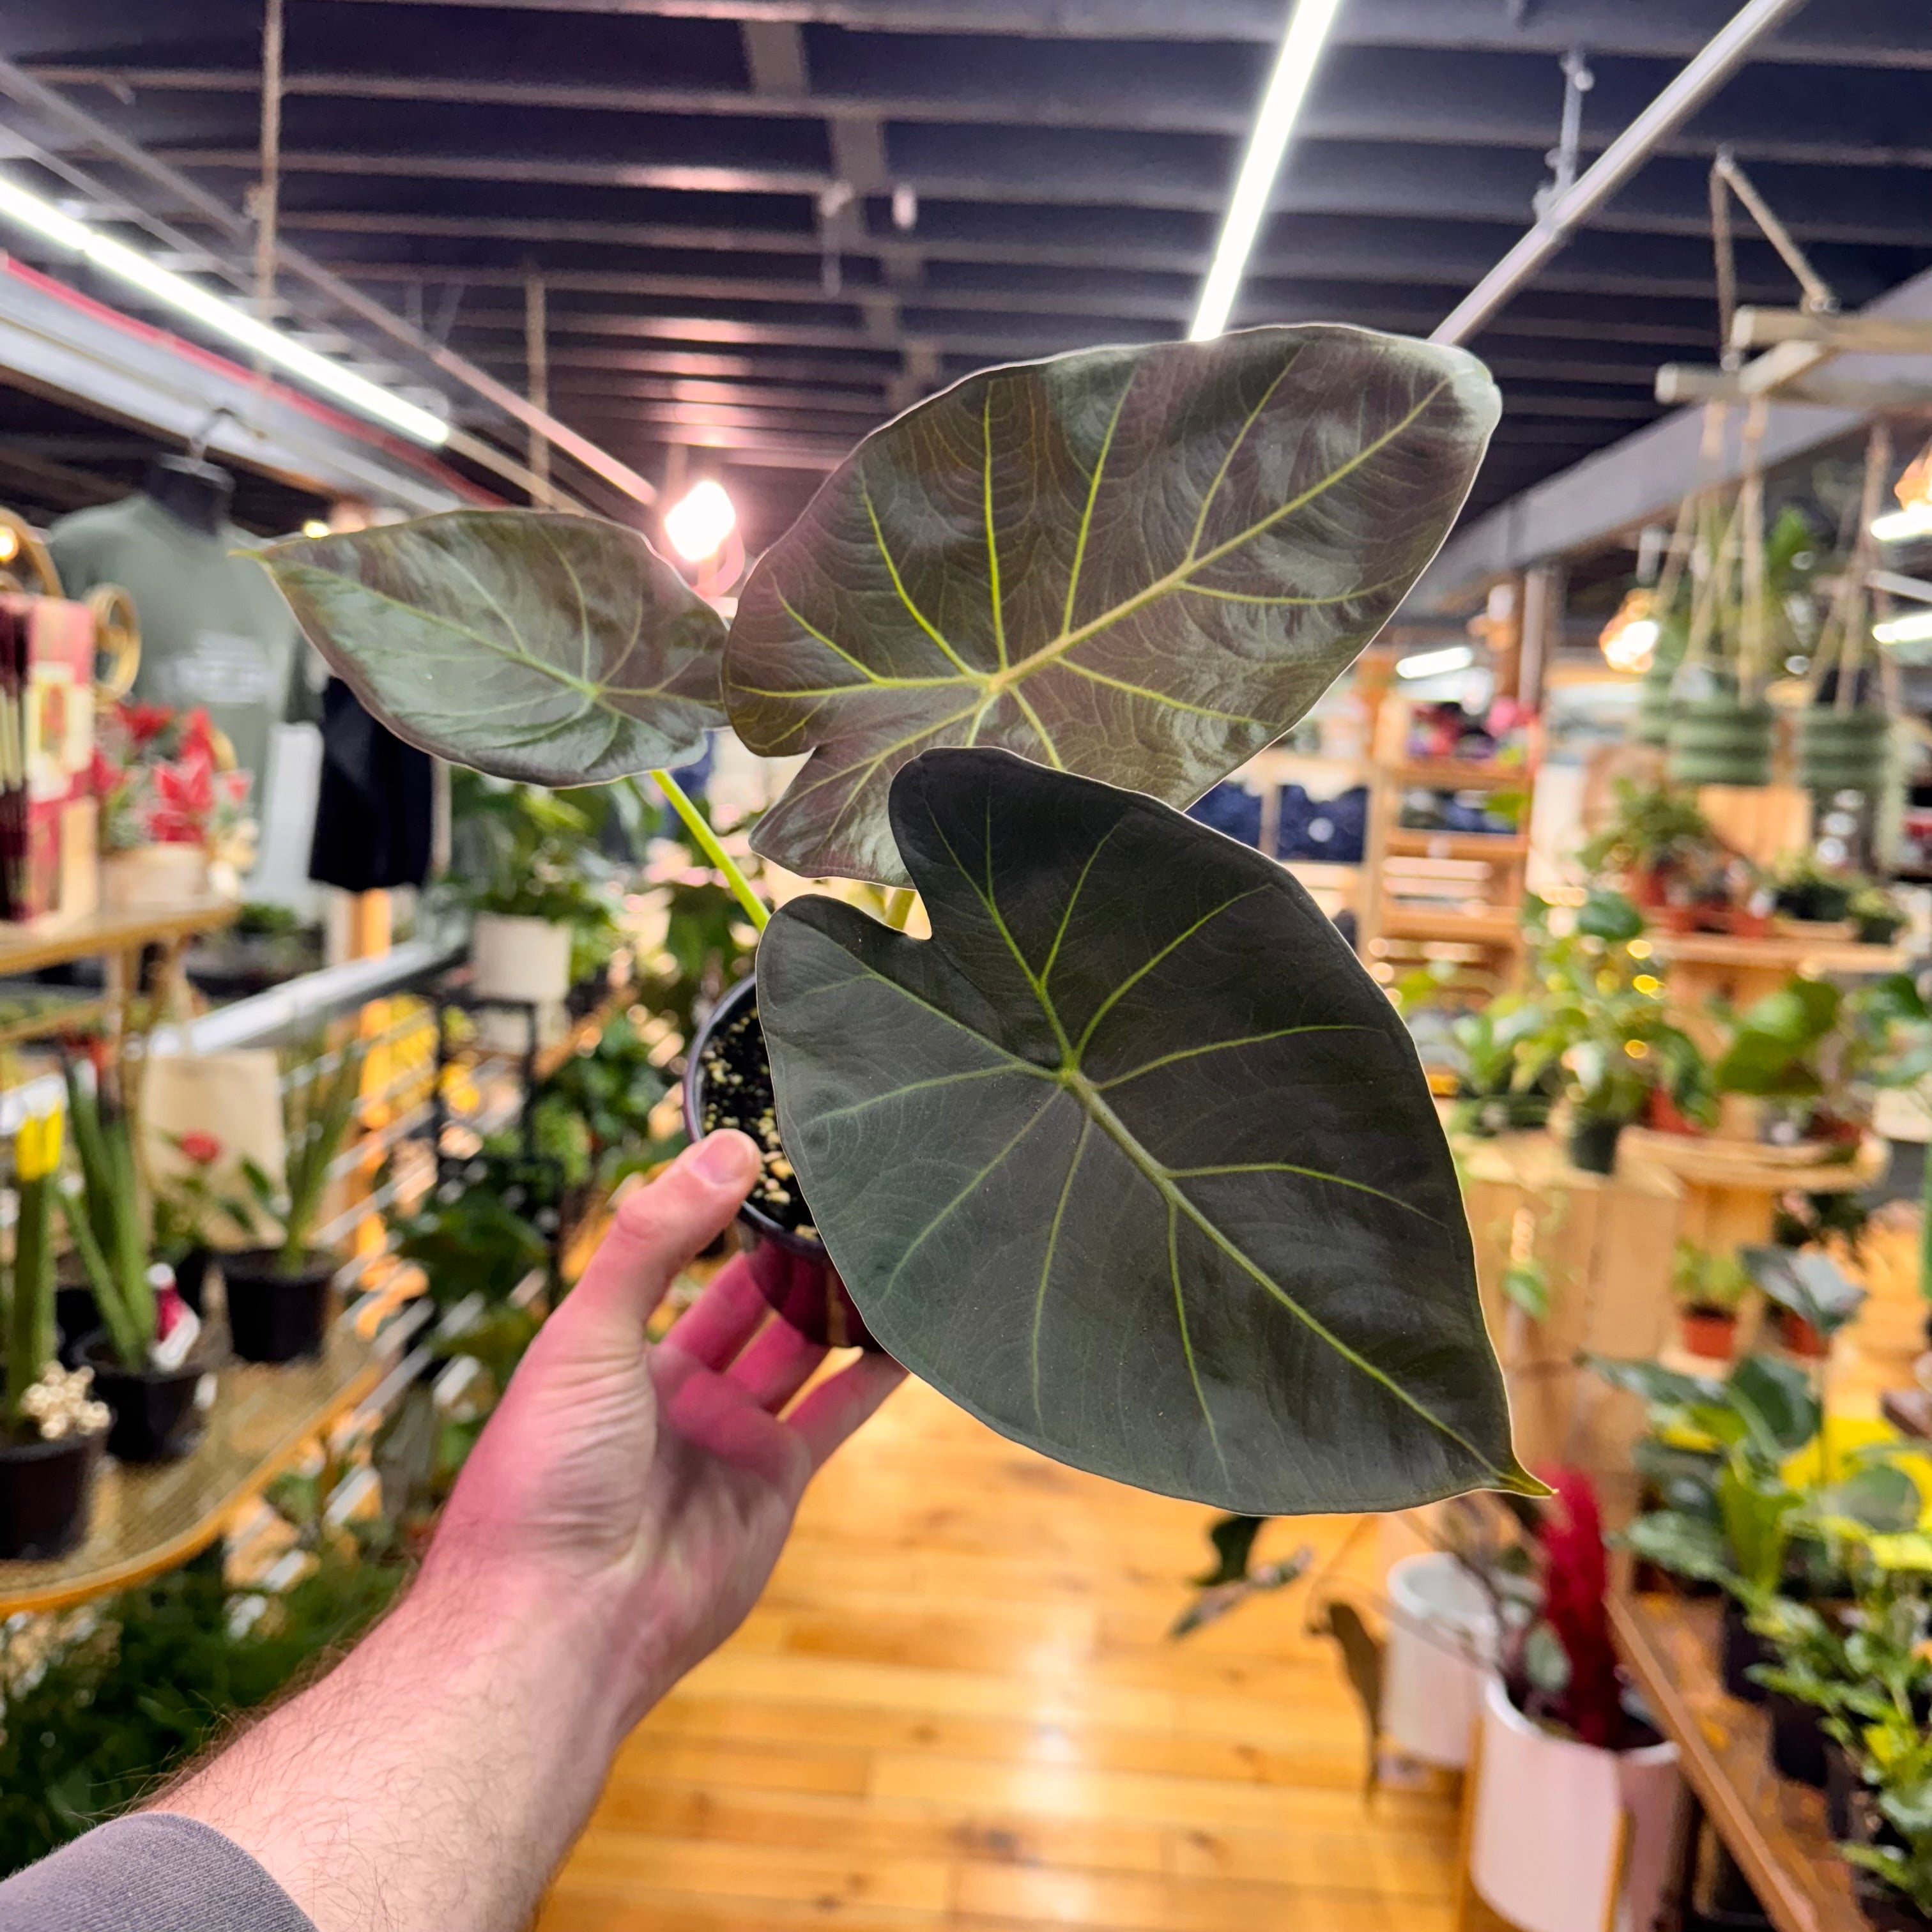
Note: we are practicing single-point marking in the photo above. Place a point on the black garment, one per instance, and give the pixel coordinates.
(374, 816)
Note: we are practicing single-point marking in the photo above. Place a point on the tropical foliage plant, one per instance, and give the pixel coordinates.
(1132, 1158)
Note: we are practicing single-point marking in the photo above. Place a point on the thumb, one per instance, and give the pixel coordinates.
(657, 1229)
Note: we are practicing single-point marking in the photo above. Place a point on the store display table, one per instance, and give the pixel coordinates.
(1775, 1829)
(147, 1520)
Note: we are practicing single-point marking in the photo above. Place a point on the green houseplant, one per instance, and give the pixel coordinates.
(51, 1442)
(1709, 1289)
(145, 1358)
(1654, 830)
(1046, 1151)
(278, 1296)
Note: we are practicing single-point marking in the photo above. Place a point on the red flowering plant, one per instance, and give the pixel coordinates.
(157, 772)
(196, 1205)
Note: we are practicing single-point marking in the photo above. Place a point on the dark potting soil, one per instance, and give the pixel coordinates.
(736, 1092)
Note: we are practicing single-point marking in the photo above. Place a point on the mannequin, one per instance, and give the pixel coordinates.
(197, 493)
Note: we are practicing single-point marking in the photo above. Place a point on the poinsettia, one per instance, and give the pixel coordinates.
(156, 772)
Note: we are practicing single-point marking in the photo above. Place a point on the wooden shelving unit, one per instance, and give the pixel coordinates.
(147, 1520)
(1335, 888)
(1432, 895)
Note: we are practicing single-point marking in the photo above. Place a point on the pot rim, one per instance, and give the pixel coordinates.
(259, 1264)
(1496, 1704)
(755, 1218)
(197, 1365)
(46, 1449)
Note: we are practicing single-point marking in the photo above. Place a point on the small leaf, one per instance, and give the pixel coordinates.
(1233, 1538)
(1140, 564)
(562, 650)
(1133, 1159)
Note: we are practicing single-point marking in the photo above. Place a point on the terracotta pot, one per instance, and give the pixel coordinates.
(1709, 1333)
(1646, 887)
(1799, 1337)
(1662, 1115)
(1678, 919)
(1742, 925)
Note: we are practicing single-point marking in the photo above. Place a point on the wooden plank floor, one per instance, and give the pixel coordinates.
(955, 1708)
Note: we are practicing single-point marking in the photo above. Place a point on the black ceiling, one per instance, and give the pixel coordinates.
(673, 170)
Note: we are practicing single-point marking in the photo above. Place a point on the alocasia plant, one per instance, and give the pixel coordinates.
(1132, 1158)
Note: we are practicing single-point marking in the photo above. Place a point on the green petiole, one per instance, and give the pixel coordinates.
(709, 843)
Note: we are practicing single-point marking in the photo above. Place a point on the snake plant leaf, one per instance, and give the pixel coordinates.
(562, 650)
(1133, 1159)
(1142, 565)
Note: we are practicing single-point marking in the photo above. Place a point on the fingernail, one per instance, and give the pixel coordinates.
(727, 1158)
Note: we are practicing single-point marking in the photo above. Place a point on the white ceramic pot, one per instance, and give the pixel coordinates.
(147, 878)
(520, 959)
(1441, 1648)
(1550, 1818)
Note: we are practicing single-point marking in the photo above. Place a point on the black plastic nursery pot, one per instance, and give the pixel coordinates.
(273, 1317)
(1742, 1648)
(156, 1417)
(1593, 1143)
(1842, 1783)
(1798, 1741)
(727, 1083)
(45, 1491)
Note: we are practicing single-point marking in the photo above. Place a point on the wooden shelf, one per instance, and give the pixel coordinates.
(1775, 1829)
(99, 933)
(1778, 950)
(1713, 1160)
(1413, 842)
(1486, 927)
(1457, 775)
(146, 1520)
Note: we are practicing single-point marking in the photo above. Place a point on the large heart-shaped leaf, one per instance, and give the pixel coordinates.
(1133, 1159)
(1140, 564)
(558, 649)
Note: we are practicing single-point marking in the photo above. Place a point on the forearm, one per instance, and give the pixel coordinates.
(437, 1777)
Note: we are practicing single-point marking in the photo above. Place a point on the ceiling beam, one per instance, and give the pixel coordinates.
(1853, 32)
(1645, 475)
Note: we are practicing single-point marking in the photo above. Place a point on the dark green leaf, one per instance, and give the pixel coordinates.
(1140, 564)
(1667, 1387)
(1686, 1546)
(1778, 1404)
(1132, 1158)
(1810, 1285)
(1609, 915)
(559, 649)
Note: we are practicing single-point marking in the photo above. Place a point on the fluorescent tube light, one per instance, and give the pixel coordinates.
(218, 313)
(1896, 525)
(1913, 629)
(1301, 47)
(1432, 664)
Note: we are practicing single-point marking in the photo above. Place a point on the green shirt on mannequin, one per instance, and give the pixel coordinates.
(214, 633)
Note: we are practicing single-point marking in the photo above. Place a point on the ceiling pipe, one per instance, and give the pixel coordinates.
(1723, 55)
(39, 99)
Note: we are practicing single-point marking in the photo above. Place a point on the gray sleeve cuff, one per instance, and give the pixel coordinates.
(152, 1872)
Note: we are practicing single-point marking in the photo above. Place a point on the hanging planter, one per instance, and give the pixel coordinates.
(1843, 750)
(1717, 737)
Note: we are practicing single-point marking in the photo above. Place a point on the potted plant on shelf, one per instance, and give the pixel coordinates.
(54, 1426)
(145, 1359)
(529, 871)
(1875, 914)
(1770, 1077)
(1497, 1092)
(1654, 832)
(1015, 630)
(1811, 1297)
(1607, 1029)
(170, 808)
(278, 1296)
(1709, 1289)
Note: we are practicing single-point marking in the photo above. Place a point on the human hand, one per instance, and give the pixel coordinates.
(651, 1488)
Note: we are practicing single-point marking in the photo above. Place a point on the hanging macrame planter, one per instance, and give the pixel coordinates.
(1719, 739)
(1843, 744)
(1843, 750)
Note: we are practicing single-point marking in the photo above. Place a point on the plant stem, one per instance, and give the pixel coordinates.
(709, 843)
(899, 903)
